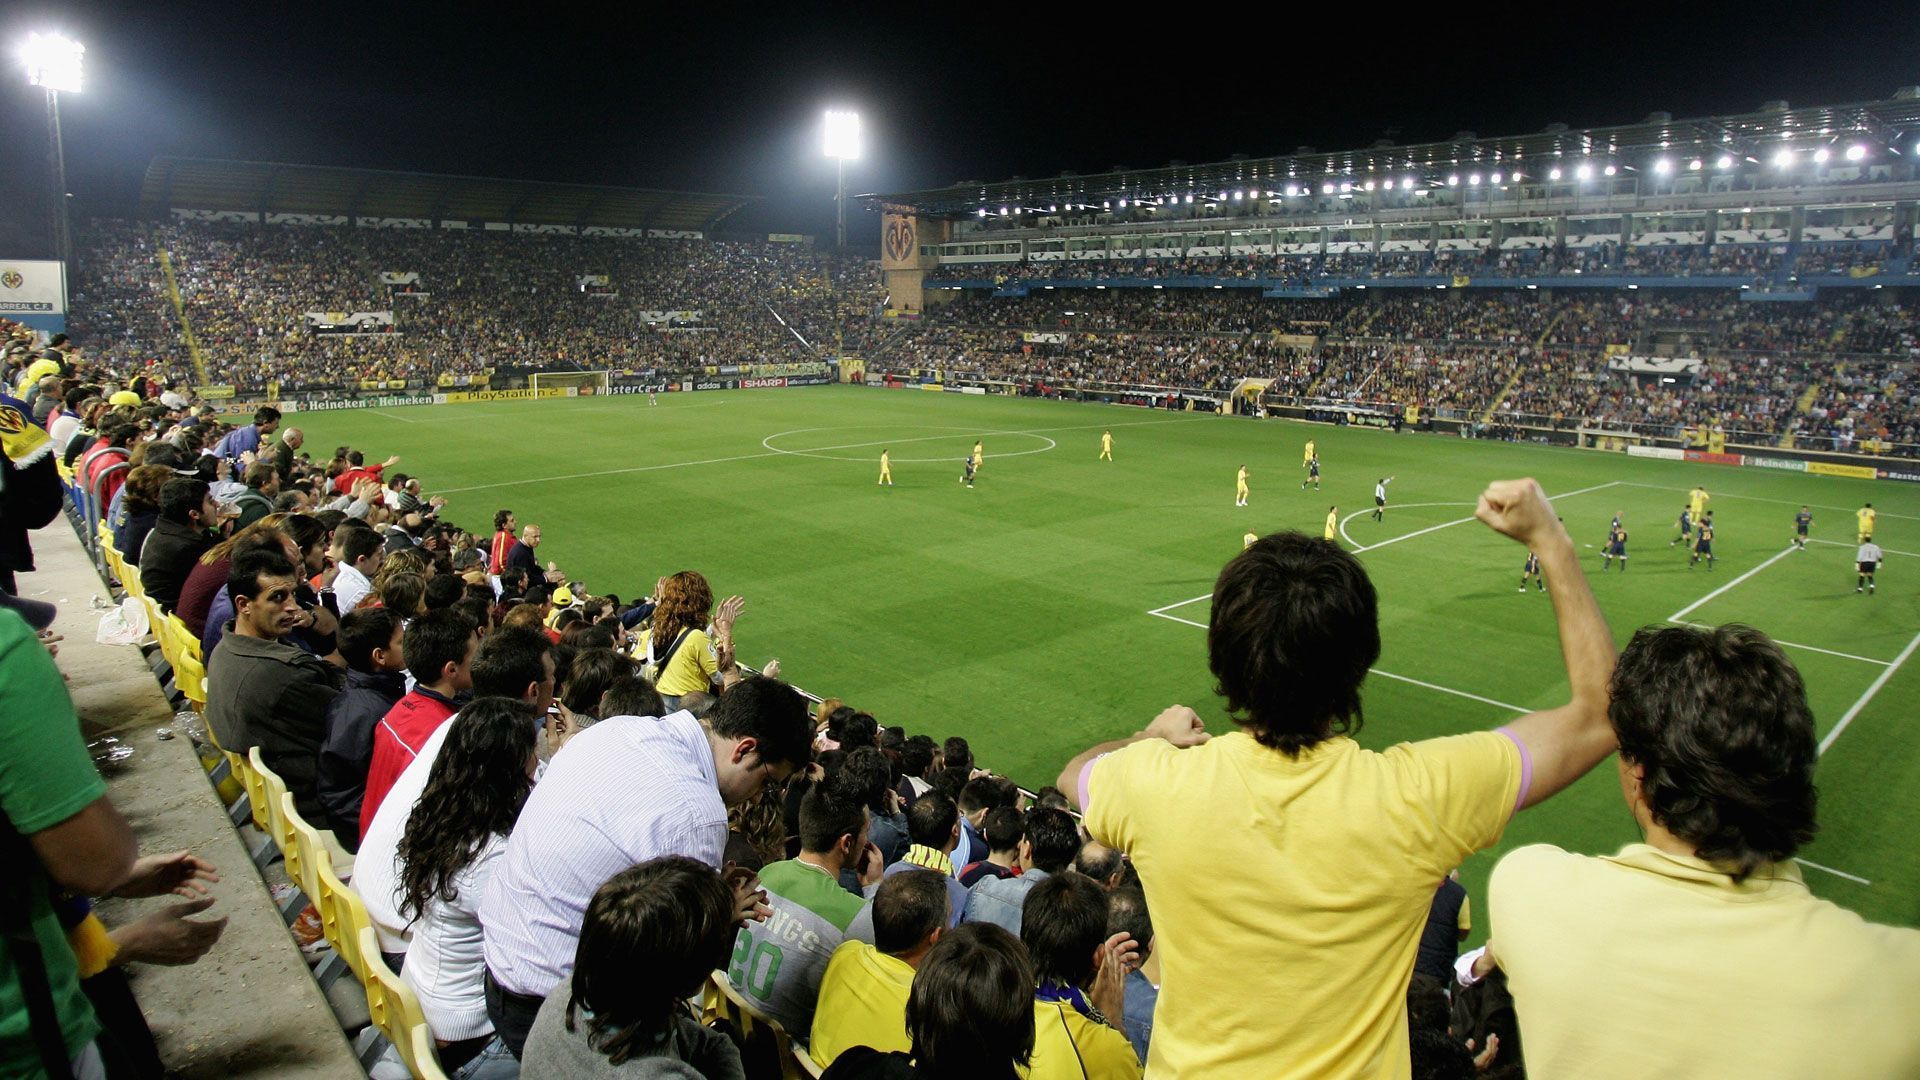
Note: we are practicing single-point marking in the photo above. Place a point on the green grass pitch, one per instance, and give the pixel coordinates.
(1021, 613)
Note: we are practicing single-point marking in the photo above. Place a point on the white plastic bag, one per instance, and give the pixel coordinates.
(124, 625)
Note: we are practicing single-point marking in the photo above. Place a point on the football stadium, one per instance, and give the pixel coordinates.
(1403, 610)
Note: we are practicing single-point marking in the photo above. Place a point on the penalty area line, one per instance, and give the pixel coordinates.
(1885, 676)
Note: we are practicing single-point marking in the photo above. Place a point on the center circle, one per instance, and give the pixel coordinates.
(869, 449)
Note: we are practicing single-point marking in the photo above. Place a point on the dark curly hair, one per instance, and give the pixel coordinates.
(1295, 627)
(1717, 721)
(474, 793)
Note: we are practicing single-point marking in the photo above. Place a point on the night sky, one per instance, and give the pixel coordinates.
(731, 100)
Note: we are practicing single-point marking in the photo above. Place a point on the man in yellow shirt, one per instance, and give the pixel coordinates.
(886, 467)
(863, 995)
(1106, 446)
(1865, 516)
(1333, 521)
(1288, 851)
(1701, 952)
(1081, 972)
(1697, 502)
(979, 454)
(1307, 458)
(1240, 487)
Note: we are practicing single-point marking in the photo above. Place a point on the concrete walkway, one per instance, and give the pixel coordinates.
(249, 1007)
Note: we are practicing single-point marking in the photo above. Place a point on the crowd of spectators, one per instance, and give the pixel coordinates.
(1477, 258)
(483, 300)
(467, 722)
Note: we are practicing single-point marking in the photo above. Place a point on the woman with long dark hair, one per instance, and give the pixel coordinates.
(457, 831)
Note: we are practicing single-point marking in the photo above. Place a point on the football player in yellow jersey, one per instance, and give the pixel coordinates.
(886, 467)
(1308, 456)
(979, 457)
(1240, 487)
(1697, 502)
(1333, 521)
(1865, 516)
(1106, 446)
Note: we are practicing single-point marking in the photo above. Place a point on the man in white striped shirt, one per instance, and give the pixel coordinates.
(624, 791)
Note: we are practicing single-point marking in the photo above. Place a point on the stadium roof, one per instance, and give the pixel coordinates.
(1756, 135)
(202, 184)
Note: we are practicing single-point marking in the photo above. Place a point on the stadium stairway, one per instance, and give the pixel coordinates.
(1804, 406)
(165, 259)
(1514, 379)
(250, 1007)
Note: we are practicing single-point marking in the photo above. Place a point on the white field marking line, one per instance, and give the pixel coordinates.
(1377, 671)
(1680, 616)
(391, 415)
(1762, 498)
(1464, 520)
(769, 454)
(1809, 648)
(1397, 506)
(1183, 603)
(1844, 544)
(1868, 696)
(1832, 871)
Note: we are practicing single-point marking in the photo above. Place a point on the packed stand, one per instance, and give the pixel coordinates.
(484, 300)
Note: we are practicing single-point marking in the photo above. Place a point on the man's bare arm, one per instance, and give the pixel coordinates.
(1561, 743)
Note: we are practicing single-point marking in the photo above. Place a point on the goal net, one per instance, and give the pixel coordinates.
(1596, 438)
(578, 381)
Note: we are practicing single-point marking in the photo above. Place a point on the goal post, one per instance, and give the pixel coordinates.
(1598, 438)
(578, 381)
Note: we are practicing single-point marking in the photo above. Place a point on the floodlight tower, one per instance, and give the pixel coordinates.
(53, 63)
(843, 145)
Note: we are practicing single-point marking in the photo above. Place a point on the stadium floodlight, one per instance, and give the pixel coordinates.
(1369, 184)
(1725, 163)
(1694, 165)
(53, 62)
(1553, 173)
(1389, 183)
(1454, 180)
(1326, 189)
(843, 145)
(1407, 183)
(1345, 187)
(1782, 158)
(1584, 172)
(1821, 155)
(1856, 152)
(1497, 177)
(1239, 195)
(1474, 180)
(1663, 166)
(1610, 170)
(1003, 211)
(1189, 197)
(982, 211)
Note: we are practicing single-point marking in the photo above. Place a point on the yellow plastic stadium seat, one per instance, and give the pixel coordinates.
(256, 788)
(760, 1033)
(276, 819)
(183, 638)
(396, 1012)
(343, 917)
(191, 677)
(305, 850)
